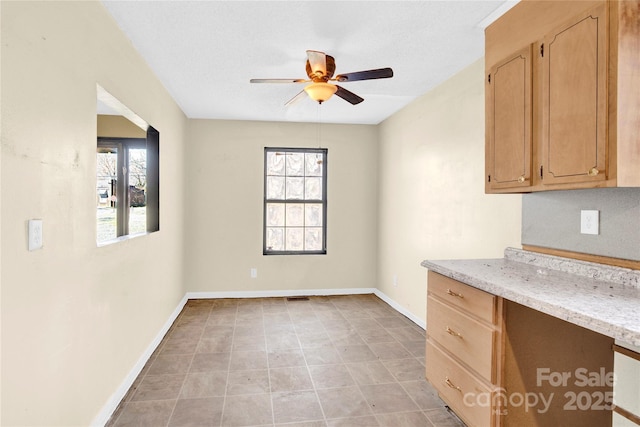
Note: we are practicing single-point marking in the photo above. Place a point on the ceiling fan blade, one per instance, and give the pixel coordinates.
(317, 63)
(348, 96)
(380, 73)
(296, 98)
(278, 81)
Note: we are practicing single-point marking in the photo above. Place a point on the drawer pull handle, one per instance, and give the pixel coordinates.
(454, 333)
(454, 294)
(593, 172)
(452, 385)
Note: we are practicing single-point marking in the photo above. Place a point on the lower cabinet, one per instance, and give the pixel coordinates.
(463, 349)
(498, 363)
(626, 390)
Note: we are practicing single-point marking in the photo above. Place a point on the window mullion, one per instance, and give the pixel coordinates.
(304, 203)
(124, 206)
(120, 190)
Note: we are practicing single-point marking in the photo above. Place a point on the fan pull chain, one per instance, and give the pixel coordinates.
(319, 130)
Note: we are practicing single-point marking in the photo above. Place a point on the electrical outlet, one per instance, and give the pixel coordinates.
(395, 280)
(254, 273)
(589, 222)
(35, 234)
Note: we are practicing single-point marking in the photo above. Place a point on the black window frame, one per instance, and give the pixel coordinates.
(324, 153)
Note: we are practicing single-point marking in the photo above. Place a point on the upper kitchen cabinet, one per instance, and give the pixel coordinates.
(574, 100)
(562, 104)
(508, 106)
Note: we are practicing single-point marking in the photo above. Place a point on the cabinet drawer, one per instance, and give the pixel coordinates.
(453, 383)
(468, 339)
(468, 298)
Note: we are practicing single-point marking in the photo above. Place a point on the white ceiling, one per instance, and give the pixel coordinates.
(205, 52)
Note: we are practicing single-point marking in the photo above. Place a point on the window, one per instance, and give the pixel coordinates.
(127, 186)
(295, 201)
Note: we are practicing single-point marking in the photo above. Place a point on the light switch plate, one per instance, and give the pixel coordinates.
(590, 222)
(35, 234)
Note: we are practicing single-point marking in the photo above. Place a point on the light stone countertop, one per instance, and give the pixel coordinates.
(598, 297)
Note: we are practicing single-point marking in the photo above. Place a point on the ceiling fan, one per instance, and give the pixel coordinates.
(320, 69)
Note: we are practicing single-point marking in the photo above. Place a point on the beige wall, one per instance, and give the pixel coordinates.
(76, 318)
(1, 139)
(225, 191)
(118, 126)
(431, 195)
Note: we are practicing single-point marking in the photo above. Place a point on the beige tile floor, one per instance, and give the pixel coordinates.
(327, 361)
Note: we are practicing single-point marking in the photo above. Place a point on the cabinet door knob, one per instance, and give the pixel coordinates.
(454, 294)
(593, 172)
(452, 332)
(448, 382)
(521, 179)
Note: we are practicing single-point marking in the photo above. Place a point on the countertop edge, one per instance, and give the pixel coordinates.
(594, 323)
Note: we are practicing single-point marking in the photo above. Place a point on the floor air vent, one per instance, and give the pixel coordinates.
(297, 298)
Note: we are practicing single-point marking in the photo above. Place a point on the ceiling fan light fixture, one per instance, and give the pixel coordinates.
(320, 68)
(320, 92)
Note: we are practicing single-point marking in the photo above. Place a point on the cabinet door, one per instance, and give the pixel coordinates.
(508, 112)
(626, 387)
(574, 100)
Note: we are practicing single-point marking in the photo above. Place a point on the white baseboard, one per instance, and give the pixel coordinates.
(272, 294)
(112, 404)
(400, 309)
(109, 408)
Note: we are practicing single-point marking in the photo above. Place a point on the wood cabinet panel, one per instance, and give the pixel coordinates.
(527, 22)
(624, 87)
(574, 100)
(508, 91)
(473, 301)
(471, 341)
(464, 326)
(454, 382)
(548, 356)
(584, 105)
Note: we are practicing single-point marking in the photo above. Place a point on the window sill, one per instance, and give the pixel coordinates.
(121, 239)
(294, 252)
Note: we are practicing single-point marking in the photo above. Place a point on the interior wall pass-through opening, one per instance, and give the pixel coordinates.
(127, 172)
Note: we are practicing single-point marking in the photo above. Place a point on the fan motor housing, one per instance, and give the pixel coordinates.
(331, 68)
